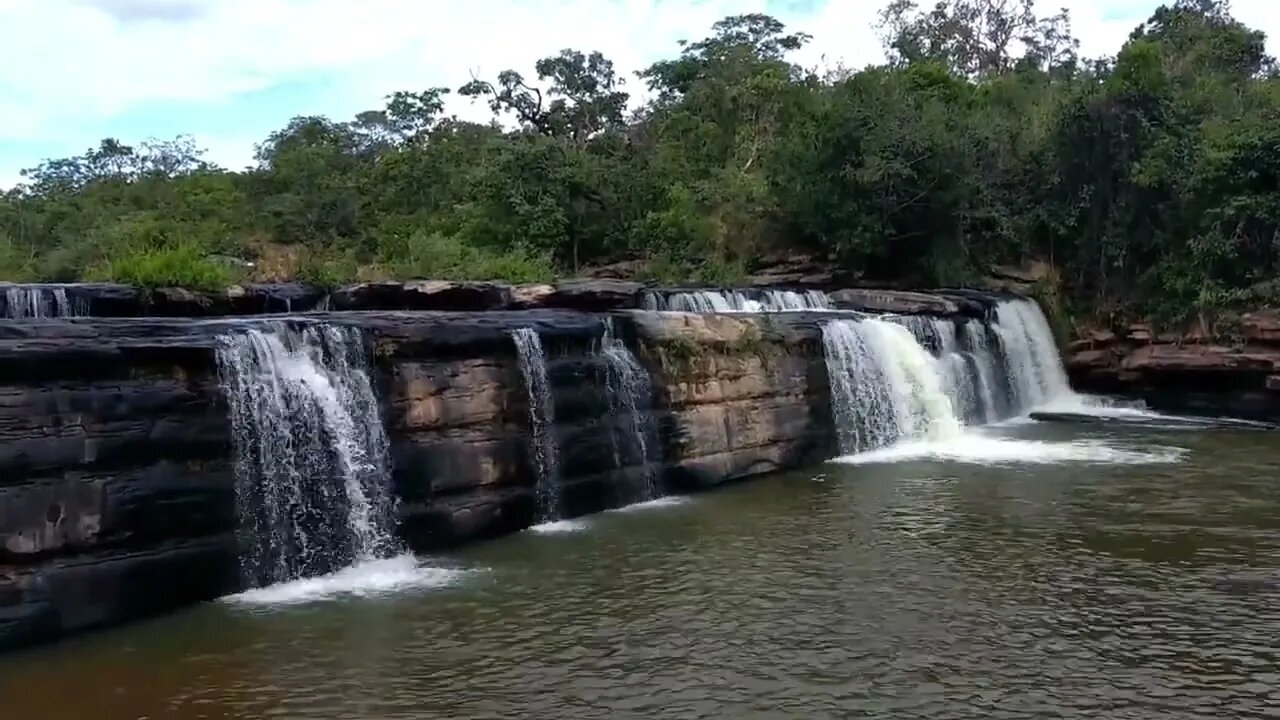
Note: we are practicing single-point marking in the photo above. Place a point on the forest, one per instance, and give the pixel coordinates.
(1149, 180)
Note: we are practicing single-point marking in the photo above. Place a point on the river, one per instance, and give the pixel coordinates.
(1031, 571)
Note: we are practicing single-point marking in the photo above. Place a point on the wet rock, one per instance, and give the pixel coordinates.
(424, 295)
(92, 590)
(262, 298)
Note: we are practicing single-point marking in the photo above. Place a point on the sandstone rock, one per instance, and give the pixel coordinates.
(1261, 327)
(1089, 359)
(596, 295)
(1029, 273)
(530, 296)
(893, 301)
(1199, 358)
(1139, 333)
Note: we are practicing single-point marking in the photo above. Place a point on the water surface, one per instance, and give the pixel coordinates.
(1131, 574)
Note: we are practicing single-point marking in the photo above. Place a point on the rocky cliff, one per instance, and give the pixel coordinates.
(1186, 372)
(117, 477)
(117, 491)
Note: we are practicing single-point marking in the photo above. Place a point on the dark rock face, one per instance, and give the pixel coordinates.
(423, 295)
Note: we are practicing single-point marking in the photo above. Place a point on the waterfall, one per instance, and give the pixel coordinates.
(36, 301)
(963, 363)
(983, 361)
(630, 405)
(543, 448)
(311, 452)
(736, 301)
(1030, 355)
(885, 386)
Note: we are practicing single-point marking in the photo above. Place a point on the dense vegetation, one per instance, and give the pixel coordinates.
(1150, 180)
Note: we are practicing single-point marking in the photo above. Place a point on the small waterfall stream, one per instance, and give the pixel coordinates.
(630, 404)
(542, 445)
(311, 452)
(736, 301)
(41, 301)
(1031, 356)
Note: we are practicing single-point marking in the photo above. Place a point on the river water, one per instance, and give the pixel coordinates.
(1030, 571)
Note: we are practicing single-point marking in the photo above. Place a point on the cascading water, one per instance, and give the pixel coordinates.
(959, 362)
(543, 447)
(311, 453)
(1030, 355)
(886, 387)
(734, 301)
(630, 404)
(35, 301)
(982, 360)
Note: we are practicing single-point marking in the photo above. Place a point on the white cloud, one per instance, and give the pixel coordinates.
(68, 66)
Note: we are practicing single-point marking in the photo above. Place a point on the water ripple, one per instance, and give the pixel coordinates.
(919, 589)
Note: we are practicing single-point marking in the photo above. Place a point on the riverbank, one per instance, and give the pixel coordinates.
(1233, 374)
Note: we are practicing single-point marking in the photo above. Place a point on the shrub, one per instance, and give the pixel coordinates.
(183, 265)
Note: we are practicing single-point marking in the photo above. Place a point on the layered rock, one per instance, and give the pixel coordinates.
(117, 483)
(1185, 372)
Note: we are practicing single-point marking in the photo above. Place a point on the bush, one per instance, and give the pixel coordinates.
(439, 257)
(183, 265)
(16, 263)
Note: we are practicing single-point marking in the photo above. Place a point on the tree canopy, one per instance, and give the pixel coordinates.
(1150, 180)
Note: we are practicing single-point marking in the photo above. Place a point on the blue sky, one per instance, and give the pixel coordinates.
(229, 72)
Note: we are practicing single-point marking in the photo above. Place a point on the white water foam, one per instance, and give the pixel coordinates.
(373, 578)
(885, 387)
(979, 449)
(558, 527)
(656, 504)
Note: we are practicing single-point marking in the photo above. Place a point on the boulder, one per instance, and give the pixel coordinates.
(181, 302)
(1028, 273)
(596, 295)
(1261, 327)
(531, 295)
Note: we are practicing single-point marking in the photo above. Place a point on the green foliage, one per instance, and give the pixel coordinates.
(1147, 179)
(435, 256)
(182, 265)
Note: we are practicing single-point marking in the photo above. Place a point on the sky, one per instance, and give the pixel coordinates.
(229, 72)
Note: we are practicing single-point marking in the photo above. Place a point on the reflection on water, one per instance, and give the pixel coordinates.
(924, 588)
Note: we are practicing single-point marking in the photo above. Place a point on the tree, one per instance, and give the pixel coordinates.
(582, 96)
